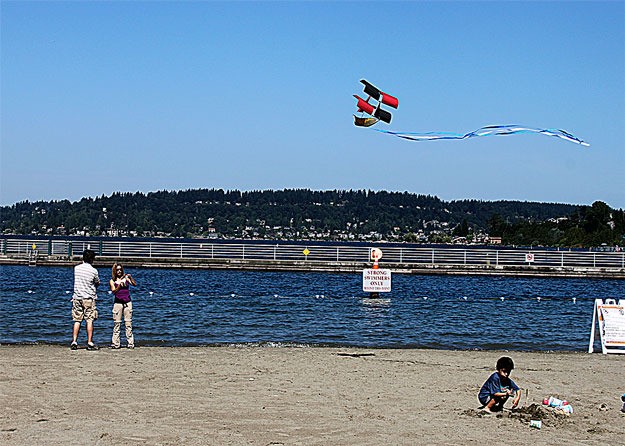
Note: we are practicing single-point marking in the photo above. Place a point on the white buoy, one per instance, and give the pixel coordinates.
(502, 298)
(191, 294)
(233, 295)
(574, 299)
(465, 297)
(67, 292)
(30, 291)
(537, 298)
(425, 298)
(151, 293)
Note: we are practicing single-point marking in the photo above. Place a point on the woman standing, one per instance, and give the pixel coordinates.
(122, 307)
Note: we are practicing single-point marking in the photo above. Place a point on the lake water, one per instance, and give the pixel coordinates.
(204, 307)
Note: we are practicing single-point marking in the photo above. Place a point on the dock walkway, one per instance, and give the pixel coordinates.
(315, 257)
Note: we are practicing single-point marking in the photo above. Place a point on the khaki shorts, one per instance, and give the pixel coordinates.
(84, 310)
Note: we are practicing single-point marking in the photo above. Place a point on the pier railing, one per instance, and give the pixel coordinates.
(338, 253)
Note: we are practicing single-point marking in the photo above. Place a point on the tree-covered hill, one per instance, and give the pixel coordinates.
(302, 214)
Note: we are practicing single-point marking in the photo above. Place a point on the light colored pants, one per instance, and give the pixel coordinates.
(125, 311)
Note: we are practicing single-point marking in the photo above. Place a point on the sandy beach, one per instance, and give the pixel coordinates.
(298, 396)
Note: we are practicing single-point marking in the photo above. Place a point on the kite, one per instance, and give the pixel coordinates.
(377, 113)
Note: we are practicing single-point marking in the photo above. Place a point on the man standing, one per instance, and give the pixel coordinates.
(86, 280)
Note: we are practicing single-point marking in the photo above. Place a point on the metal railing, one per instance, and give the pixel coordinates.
(409, 255)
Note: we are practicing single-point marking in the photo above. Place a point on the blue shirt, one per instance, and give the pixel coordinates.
(495, 384)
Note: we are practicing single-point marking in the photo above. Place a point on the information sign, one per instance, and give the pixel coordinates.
(376, 280)
(609, 317)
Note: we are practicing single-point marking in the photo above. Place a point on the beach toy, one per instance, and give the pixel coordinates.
(537, 424)
(552, 401)
(558, 404)
(555, 402)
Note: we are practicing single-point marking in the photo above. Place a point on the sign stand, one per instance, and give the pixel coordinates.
(609, 318)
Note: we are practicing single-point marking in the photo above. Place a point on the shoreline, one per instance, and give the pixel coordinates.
(289, 395)
(295, 345)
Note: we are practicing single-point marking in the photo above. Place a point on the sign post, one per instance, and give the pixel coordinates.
(609, 318)
(376, 254)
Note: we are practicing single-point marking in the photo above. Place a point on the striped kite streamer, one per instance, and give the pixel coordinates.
(486, 131)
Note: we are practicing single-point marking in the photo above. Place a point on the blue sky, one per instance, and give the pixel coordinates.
(115, 96)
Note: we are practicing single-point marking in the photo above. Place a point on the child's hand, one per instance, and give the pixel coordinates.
(515, 403)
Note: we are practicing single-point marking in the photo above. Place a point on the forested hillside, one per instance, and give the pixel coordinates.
(302, 214)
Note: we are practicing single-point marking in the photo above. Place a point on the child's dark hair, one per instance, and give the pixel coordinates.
(505, 362)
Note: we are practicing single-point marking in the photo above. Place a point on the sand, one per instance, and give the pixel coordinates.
(298, 396)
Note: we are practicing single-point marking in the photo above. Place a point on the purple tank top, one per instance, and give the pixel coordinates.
(123, 295)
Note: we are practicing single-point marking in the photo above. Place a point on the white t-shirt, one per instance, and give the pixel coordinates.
(86, 279)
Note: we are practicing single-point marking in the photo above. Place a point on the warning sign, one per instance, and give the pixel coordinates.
(376, 280)
(609, 318)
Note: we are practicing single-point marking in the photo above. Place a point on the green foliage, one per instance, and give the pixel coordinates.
(297, 214)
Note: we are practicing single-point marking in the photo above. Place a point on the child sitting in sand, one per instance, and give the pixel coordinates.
(499, 387)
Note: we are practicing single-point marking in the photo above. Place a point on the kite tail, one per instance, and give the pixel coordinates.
(485, 131)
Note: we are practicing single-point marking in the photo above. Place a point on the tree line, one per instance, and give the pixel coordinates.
(302, 214)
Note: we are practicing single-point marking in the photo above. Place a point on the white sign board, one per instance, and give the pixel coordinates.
(376, 280)
(609, 318)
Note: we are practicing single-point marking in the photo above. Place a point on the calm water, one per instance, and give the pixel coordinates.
(180, 307)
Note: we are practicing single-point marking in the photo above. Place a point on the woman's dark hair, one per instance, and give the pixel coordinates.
(505, 362)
